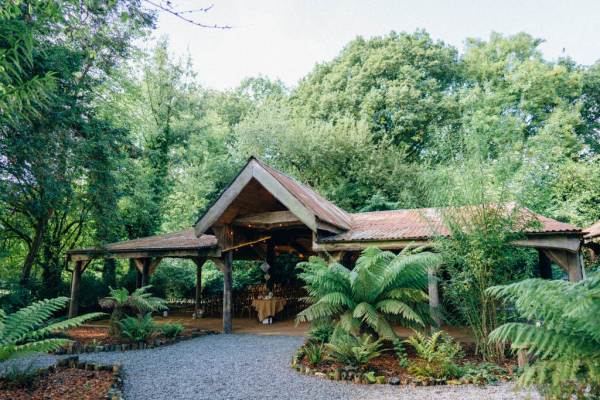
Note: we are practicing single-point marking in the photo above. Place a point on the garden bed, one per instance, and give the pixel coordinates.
(387, 370)
(68, 379)
(95, 338)
(408, 368)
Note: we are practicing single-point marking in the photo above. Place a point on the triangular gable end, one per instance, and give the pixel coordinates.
(255, 170)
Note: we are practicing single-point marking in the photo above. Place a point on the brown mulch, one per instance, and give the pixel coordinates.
(88, 334)
(99, 334)
(63, 384)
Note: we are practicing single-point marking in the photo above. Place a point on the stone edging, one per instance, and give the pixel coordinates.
(79, 348)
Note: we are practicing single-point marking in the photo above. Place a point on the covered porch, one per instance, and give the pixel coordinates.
(264, 213)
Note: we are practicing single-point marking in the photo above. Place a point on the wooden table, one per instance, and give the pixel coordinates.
(268, 307)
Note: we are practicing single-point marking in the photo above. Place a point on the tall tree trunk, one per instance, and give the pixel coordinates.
(40, 229)
(109, 272)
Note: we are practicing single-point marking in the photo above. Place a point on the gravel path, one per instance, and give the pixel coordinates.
(255, 367)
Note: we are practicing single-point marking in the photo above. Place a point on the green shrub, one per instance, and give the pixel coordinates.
(299, 355)
(314, 353)
(321, 333)
(137, 329)
(437, 354)
(171, 330)
(400, 353)
(560, 327)
(382, 288)
(354, 351)
(28, 331)
(481, 374)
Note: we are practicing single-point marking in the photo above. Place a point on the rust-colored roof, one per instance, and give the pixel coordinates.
(181, 240)
(323, 209)
(424, 223)
(593, 231)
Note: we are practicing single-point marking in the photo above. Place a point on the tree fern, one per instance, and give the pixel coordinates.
(382, 288)
(139, 302)
(559, 325)
(28, 331)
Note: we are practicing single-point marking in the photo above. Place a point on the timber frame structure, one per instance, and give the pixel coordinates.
(592, 241)
(264, 212)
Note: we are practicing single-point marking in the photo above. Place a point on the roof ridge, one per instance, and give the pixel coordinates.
(272, 170)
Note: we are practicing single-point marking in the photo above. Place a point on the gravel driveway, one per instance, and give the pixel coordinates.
(255, 367)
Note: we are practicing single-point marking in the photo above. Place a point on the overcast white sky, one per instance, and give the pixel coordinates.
(284, 39)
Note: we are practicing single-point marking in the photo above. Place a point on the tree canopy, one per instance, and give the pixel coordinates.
(101, 141)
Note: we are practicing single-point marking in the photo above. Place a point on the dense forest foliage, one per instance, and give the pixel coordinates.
(101, 141)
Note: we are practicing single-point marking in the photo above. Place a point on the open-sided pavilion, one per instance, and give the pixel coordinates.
(592, 240)
(264, 212)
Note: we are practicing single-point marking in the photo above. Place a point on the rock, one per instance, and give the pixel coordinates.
(380, 379)
(320, 375)
(357, 379)
(394, 380)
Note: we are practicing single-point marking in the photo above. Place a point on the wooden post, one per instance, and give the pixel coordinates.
(575, 266)
(434, 298)
(138, 279)
(227, 293)
(571, 262)
(271, 261)
(199, 263)
(146, 272)
(75, 279)
(545, 265)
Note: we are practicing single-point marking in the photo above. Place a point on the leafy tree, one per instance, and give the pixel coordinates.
(27, 330)
(339, 160)
(77, 45)
(554, 324)
(396, 84)
(381, 288)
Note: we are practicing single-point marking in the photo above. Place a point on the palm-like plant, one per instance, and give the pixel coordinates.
(381, 288)
(140, 302)
(561, 328)
(27, 330)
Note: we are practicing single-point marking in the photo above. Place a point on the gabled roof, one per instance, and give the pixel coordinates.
(325, 210)
(593, 231)
(302, 201)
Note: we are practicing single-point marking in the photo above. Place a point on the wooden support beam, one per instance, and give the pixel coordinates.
(198, 304)
(80, 255)
(227, 293)
(246, 244)
(544, 265)
(154, 264)
(434, 298)
(146, 272)
(138, 278)
(75, 279)
(571, 262)
(268, 220)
